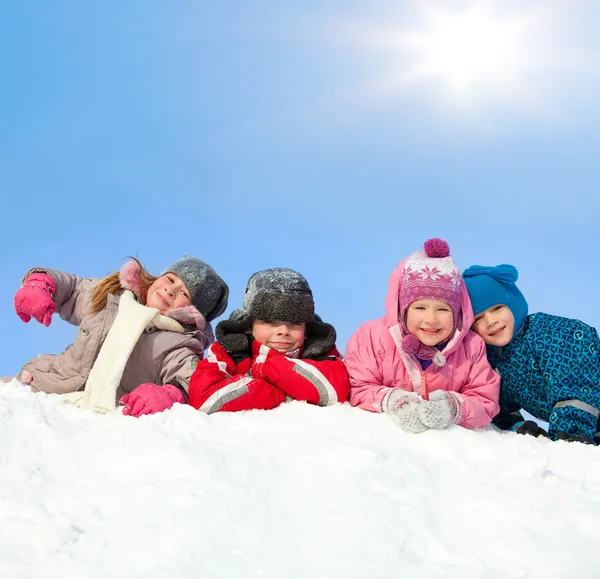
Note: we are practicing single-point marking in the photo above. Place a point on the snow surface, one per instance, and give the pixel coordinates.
(296, 492)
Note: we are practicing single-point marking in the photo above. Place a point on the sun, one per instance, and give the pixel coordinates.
(473, 53)
(486, 54)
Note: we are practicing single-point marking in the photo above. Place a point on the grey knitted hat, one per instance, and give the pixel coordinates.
(209, 293)
(279, 294)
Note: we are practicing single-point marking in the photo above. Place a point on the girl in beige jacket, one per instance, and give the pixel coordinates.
(140, 337)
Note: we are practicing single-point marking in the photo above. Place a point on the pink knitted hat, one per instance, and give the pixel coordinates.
(429, 274)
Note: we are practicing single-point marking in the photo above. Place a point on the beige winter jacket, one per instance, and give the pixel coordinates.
(160, 356)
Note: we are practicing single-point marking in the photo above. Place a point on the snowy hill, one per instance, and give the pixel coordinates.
(295, 492)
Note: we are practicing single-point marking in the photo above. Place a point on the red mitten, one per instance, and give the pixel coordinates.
(261, 355)
(34, 299)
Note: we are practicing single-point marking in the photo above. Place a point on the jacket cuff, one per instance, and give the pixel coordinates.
(381, 399)
(462, 408)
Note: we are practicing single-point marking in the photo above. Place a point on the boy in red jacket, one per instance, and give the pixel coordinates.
(271, 350)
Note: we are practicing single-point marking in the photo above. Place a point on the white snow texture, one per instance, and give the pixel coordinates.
(296, 492)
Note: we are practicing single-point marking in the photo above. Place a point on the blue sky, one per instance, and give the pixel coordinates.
(331, 137)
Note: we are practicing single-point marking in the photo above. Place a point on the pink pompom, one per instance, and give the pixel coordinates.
(426, 352)
(411, 344)
(436, 247)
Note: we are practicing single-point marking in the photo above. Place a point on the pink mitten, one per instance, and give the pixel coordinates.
(34, 299)
(150, 399)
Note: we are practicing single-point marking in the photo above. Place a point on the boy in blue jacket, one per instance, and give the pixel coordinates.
(548, 365)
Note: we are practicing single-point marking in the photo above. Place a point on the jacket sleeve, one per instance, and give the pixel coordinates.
(480, 392)
(219, 385)
(73, 294)
(572, 420)
(363, 362)
(178, 367)
(321, 382)
(567, 354)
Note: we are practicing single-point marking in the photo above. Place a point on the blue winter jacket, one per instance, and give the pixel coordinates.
(551, 360)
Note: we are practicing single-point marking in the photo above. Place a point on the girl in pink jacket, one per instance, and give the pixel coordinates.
(420, 362)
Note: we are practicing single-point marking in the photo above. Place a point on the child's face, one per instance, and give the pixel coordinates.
(495, 325)
(168, 293)
(281, 336)
(432, 321)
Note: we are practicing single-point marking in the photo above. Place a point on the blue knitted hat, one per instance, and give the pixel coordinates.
(489, 286)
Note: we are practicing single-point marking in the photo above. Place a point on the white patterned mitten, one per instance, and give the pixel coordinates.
(398, 397)
(440, 411)
(407, 417)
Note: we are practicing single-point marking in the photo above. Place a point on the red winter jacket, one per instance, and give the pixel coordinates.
(266, 380)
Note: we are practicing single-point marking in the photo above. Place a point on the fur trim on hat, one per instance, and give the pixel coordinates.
(232, 333)
(320, 338)
(283, 307)
(279, 294)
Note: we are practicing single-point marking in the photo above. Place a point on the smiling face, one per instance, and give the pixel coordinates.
(281, 336)
(495, 325)
(168, 293)
(432, 321)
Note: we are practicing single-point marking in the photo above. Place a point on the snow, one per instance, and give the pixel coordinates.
(295, 492)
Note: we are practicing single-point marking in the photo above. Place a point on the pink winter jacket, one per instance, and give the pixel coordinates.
(376, 363)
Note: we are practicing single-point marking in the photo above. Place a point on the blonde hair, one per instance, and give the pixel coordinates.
(111, 284)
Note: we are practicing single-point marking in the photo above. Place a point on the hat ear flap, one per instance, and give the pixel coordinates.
(320, 338)
(231, 333)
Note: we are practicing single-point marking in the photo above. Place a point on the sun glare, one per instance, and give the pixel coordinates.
(488, 54)
(471, 52)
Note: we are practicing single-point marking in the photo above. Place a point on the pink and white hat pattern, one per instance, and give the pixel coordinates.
(431, 274)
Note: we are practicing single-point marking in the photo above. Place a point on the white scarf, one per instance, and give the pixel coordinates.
(105, 376)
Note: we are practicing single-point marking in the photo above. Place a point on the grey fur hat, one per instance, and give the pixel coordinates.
(208, 291)
(279, 294)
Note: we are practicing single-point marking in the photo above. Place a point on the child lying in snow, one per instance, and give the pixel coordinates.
(421, 363)
(272, 349)
(159, 328)
(549, 365)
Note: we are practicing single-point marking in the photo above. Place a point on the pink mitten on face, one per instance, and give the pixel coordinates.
(150, 399)
(34, 299)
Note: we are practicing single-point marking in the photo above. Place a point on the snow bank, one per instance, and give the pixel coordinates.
(296, 492)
